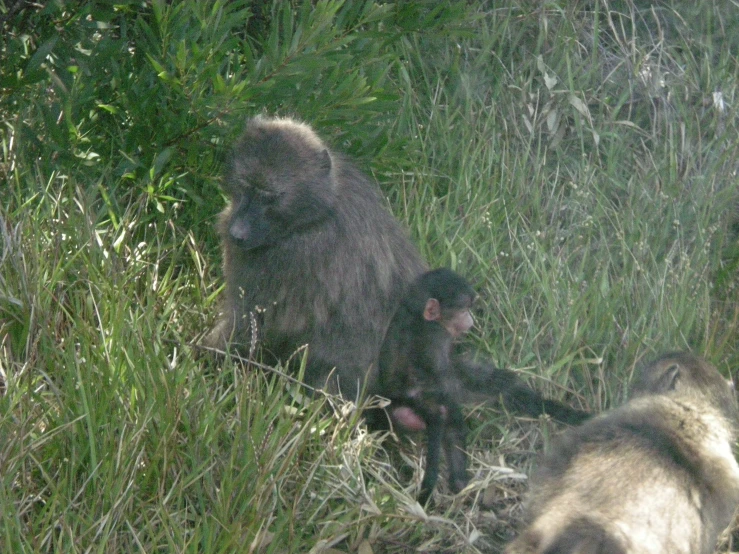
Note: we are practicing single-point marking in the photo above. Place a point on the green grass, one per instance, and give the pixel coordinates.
(576, 161)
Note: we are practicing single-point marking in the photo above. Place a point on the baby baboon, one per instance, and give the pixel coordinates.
(312, 256)
(415, 367)
(655, 476)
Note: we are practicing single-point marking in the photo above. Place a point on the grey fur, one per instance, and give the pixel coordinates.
(334, 284)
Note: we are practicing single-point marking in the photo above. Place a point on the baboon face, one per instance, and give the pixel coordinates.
(277, 185)
(444, 297)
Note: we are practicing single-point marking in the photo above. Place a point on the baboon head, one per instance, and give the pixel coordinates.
(686, 375)
(280, 182)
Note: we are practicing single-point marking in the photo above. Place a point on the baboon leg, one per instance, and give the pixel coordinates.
(455, 442)
(434, 432)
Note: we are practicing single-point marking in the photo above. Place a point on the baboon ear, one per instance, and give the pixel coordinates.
(669, 380)
(325, 160)
(432, 311)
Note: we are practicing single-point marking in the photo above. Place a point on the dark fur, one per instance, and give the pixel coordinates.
(313, 254)
(415, 367)
(654, 476)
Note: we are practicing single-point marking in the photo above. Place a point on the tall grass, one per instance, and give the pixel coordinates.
(576, 160)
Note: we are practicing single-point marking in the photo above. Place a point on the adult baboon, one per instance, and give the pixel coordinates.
(311, 256)
(655, 476)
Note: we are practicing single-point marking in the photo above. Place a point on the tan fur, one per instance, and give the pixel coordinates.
(655, 476)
